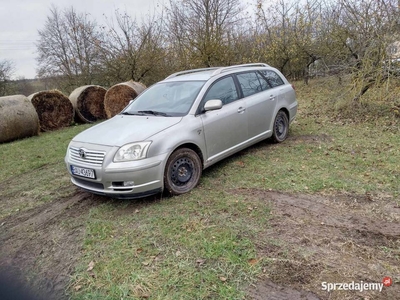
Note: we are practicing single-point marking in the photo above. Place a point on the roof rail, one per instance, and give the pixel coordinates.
(224, 69)
(191, 71)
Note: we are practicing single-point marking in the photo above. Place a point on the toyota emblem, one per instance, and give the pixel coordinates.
(82, 153)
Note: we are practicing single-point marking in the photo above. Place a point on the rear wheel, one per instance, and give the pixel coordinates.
(182, 171)
(281, 127)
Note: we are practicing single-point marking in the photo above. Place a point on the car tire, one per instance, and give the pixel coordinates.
(281, 127)
(182, 171)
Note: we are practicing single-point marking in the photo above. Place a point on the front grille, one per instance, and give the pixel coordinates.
(90, 156)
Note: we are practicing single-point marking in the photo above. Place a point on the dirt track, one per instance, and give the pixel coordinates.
(335, 239)
(46, 241)
(311, 239)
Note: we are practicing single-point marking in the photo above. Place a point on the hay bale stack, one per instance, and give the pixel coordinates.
(119, 95)
(88, 102)
(18, 118)
(55, 111)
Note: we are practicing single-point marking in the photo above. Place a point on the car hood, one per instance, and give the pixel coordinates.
(121, 130)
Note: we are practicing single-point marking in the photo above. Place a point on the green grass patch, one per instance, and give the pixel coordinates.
(32, 170)
(31, 154)
(185, 247)
(325, 157)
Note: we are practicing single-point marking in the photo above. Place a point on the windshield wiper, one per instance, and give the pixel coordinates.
(153, 112)
(127, 113)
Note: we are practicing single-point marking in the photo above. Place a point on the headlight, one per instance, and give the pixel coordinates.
(132, 151)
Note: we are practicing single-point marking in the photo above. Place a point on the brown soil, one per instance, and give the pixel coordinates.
(333, 239)
(41, 245)
(310, 239)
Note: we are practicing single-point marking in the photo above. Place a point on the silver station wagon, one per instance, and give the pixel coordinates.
(175, 129)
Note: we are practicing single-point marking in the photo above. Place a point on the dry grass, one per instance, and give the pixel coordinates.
(331, 98)
(88, 102)
(54, 109)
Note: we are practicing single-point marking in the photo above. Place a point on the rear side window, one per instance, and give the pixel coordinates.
(273, 78)
(224, 90)
(264, 83)
(249, 83)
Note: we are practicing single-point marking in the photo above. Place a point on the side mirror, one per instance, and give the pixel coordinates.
(213, 105)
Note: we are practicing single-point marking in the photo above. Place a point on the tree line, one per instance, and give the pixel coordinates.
(303, 39)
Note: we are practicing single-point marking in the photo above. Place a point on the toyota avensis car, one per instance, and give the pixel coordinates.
(178, 127)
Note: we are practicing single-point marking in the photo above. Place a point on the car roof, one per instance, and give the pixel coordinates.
(204, 74)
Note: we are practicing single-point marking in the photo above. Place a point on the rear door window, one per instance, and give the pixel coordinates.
(249, 83)
(273, 78)
(264, 83)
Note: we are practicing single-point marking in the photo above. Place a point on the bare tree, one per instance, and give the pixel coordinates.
(362, 31)
(275, 34)
(288, 35)
(309, 35)
(67, 47)
(347, 36)
(133, 50)
(202, 32)
(6, 71)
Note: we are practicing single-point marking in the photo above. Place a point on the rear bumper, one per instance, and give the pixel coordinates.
(293, 111)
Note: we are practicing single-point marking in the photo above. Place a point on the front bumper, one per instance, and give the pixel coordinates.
(145, 176)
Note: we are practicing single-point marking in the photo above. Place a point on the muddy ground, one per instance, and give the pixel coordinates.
(311, 239)
(332, 239)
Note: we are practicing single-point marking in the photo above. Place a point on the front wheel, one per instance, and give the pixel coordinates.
(281, 127)
(182, 171)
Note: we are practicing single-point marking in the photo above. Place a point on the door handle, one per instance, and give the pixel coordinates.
(241, 110)
(272, 98)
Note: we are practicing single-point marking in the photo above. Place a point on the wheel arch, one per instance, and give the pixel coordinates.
(286, 111)
(193, 147)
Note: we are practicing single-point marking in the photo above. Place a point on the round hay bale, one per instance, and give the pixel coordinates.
(55, 111)
(18, 118)
(88, 102)
(119, 95)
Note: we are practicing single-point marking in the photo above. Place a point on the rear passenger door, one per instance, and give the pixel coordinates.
(283, 92)
(260, 100)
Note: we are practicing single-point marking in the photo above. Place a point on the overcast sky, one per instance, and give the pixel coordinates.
(20, 21)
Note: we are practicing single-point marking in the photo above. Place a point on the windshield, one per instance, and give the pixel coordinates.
(169, 99)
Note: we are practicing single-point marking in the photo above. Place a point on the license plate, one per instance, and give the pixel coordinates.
(83, 172)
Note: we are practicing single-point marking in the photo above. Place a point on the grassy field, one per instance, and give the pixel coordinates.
(206, 244)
